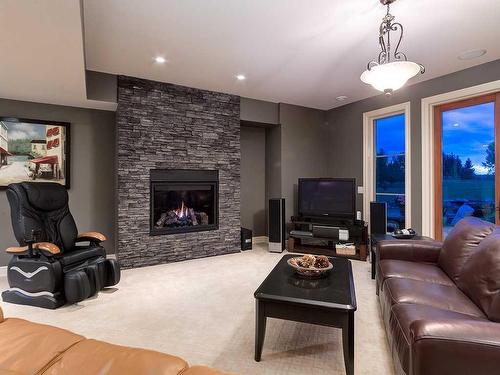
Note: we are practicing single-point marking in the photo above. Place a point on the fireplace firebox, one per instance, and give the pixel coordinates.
(183, 201)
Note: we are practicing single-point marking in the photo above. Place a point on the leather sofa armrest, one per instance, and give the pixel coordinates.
(426, 251)
(454, 346)
(95, 237)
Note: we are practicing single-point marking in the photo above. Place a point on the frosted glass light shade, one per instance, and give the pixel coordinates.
(391, 76)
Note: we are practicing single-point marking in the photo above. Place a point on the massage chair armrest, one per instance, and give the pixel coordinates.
(425, 251)
(1, 315)
(454, 346)
(46, 248)
(92, 237)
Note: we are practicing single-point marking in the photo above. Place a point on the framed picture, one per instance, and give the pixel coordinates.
(34, 150)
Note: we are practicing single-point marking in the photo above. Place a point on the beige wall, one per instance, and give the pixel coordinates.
(92, 192)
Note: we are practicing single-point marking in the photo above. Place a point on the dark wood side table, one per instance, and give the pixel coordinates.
(329, 301)
(375, 238)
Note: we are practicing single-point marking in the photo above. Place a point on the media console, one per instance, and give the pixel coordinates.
(320, 236)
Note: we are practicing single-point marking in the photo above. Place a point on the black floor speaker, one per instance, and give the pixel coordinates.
(246, 239)
(378, 218)
(276, 225)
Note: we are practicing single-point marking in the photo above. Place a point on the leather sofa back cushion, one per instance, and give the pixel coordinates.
(461, 243)
(98, 357)
(28, 347)
(480, 276)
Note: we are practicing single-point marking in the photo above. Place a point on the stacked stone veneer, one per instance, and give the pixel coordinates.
(165, 126)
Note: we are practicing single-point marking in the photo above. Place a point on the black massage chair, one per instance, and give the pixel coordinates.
(51, 266)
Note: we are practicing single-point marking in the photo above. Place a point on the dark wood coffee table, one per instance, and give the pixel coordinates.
(329, 301)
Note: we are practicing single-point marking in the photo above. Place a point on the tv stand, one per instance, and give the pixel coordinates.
(312, 241)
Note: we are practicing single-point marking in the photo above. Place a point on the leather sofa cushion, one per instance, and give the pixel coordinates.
(203, 370)
(410, 270)
(401, 317)
(461, 243)
(480, 276)
(29, 347)
(98, 357)
(420, 292)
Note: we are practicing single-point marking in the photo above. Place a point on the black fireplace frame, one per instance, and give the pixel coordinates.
(183, 176)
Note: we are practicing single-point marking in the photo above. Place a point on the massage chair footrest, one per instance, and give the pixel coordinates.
(45, 300)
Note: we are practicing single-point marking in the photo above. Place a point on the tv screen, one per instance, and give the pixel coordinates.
(334, 197)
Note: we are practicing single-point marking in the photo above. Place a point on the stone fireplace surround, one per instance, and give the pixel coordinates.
(166, 126)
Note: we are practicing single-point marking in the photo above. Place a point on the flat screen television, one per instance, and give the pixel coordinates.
(327, 197)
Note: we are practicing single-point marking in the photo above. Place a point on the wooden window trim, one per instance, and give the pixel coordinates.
(438, 154)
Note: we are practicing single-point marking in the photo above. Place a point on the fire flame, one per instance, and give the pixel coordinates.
(182, 211)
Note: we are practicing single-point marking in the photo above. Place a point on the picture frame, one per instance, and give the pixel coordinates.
(34, 150)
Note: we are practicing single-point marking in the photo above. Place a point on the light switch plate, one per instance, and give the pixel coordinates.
(361, 189)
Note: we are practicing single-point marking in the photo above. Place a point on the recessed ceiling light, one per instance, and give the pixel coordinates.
(341, 98)
(472, 54)
(160, 59)
(240, 77)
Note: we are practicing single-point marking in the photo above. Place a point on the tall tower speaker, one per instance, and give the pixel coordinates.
(378, 218)
(276, 225)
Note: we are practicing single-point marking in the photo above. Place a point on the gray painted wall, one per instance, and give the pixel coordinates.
(92, 192)
(304, 149)
(346, 127)
(253, 179)
(254, 110)
(101, 86)
(273, 163)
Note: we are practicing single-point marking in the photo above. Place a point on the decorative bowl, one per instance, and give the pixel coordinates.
(311, 271)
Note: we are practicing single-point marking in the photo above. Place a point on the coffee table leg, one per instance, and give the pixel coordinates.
(260, 328)
(348, 343)
(374, 263)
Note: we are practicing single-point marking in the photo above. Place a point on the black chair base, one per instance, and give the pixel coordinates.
(45, 301)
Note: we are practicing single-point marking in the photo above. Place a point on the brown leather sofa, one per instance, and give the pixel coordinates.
(28, 348)
(440, 301)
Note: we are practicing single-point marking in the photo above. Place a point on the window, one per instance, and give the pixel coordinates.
(386, 163)
(390, 168)
(466, 184)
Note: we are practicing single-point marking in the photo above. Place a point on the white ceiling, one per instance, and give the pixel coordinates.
(294, 51)
(42, 59)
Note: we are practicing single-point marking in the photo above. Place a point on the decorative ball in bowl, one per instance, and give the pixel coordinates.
(311, 266)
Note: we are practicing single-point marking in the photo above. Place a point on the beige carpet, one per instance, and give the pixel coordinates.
(203, 311)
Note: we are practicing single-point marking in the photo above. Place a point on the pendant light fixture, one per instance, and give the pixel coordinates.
(391, 70)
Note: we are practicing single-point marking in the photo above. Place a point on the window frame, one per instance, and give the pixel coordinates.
(369, 156)
(438, 151)
(428, 142)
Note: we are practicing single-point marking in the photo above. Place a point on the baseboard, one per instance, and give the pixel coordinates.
(260, 239)
(3, 271)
